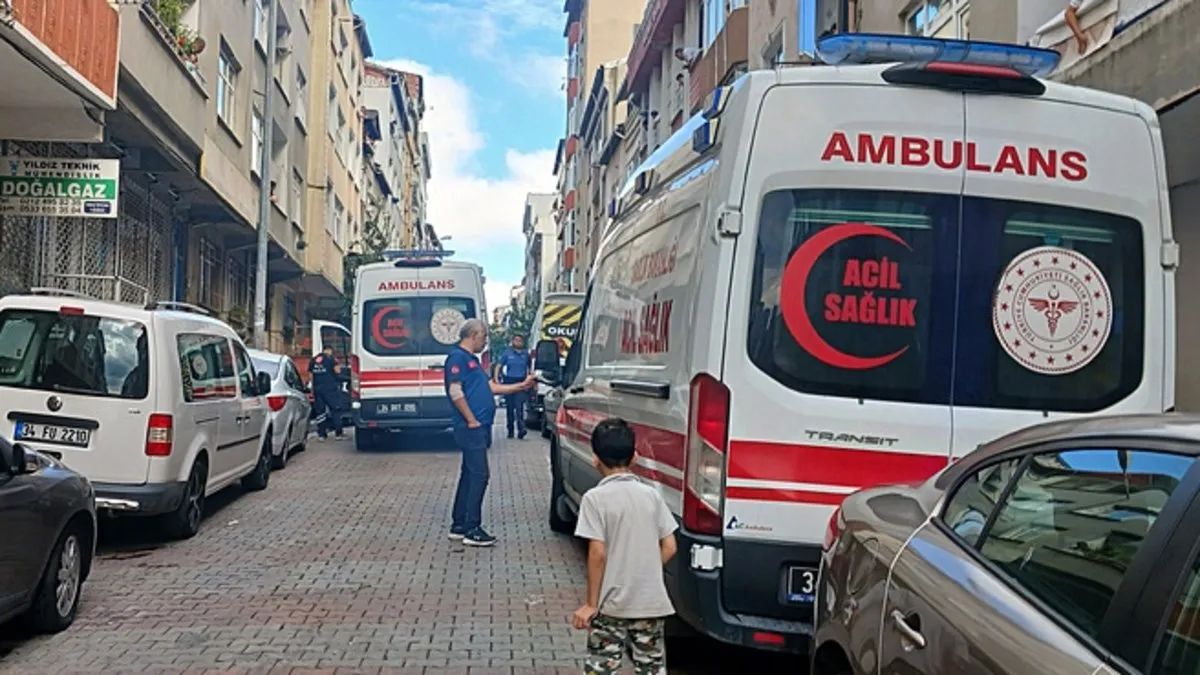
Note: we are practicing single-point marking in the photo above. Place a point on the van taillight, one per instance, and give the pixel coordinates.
(159, 435)
(355, 379)
(276, 402)
(833, 529)
(707, 438)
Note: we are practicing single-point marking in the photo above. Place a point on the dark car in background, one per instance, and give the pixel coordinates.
(1069, 547)
(47, 538)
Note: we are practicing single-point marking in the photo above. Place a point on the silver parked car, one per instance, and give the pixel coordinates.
(47, 538)
(288, 401)
(1067, 548)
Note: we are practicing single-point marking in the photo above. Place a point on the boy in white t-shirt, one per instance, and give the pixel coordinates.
(630, 533)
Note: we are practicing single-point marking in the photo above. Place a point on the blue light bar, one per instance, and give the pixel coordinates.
(411, 253)
(860, 48)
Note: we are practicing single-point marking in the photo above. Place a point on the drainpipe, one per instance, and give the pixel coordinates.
(264, 174)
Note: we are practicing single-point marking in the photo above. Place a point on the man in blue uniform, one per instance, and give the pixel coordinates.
(327, 392)
(514, 366)
(472, 394)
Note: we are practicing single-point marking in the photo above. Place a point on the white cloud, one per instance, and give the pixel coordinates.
(498, 294)
(491, 26)
(482, 214)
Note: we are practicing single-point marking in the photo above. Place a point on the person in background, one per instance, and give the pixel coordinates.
(472, 394)
(631, 536)
(1072, 19)
(327, 392)
(514, 366)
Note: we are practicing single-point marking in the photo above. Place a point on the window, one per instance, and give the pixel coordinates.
(339, 218)
(297, 196)
(976, 499)
(301, 91)
(1178, 650)
(807, 34)
(845, 329)
(268, 366)
(245, 372)
(260, 23)
(209, 292)
(331, 119)
(939, 18)
(227, 76)
(412, 326)
(256, 141)
(1072, 523)
(206, 364)
(73, 353)
(292, 376)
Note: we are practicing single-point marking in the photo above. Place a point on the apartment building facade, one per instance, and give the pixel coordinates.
(384, 118)
(597, 32)
(541, 239)
(603, 116)
(419, 166)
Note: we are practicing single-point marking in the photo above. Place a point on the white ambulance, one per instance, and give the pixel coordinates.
(406, 317)
(844, 275)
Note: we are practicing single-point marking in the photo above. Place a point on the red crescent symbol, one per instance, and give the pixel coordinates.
(792, 295)
(377, 329)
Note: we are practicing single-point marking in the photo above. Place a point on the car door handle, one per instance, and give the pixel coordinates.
(912, 635)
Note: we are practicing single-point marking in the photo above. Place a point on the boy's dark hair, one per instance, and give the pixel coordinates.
(613, 442)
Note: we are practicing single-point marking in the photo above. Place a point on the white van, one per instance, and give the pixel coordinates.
(406, 317)
(839, 276)
(157, 406)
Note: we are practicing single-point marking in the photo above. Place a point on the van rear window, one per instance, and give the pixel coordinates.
(932, 298)
(421, 326)
(74, 354)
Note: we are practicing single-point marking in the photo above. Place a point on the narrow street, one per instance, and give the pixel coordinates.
(342, 565)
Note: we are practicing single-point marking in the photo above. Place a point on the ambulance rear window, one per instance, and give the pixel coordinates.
(904, 296)
(418, 326)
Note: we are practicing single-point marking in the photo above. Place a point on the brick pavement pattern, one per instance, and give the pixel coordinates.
(341, 566)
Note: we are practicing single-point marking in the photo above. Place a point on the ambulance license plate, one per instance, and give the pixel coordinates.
(801, 585)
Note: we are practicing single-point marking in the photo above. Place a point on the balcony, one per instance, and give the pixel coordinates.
(568, 258)
(655, 34)
(79, 37)
(727, 53)
(574, 33)
(569, 201)
(572, 147)
(572, 88)
(160, 71)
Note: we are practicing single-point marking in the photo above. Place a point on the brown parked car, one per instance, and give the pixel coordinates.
(47, 538)
(1066, 548)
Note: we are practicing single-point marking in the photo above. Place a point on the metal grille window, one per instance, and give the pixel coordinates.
(227, 75)
(237, 281)
(209, 292)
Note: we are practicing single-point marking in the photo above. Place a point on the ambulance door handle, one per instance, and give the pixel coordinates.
(437, 367)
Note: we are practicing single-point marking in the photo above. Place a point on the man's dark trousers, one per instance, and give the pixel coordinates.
(327, 402)
(467, 514)
(515, 406)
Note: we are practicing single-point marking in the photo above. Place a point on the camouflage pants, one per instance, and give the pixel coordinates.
(610, 639)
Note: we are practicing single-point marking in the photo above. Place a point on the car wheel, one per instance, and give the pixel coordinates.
(280, 461)
(184, 521)
(261, 475)
(57, 600)
(562, 520)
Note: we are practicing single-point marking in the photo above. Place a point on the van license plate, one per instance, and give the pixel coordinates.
(801, 585)
(53, 433)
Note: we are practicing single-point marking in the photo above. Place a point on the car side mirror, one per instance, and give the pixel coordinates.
(13, 457)
(545, 357)
(264, 383)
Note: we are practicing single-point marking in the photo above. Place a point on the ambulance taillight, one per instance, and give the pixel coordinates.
(707, 439)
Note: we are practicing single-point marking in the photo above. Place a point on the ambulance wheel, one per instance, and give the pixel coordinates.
(562, 520)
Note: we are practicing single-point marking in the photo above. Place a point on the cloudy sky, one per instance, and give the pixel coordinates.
(494, 72)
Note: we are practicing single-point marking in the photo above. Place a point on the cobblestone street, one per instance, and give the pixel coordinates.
(342, 565)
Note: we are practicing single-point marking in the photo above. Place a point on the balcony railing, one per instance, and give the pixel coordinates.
(180, 40)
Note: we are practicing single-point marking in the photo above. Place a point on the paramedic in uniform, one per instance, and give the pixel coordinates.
(513, 367)
(327, 392)
(472, 394)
